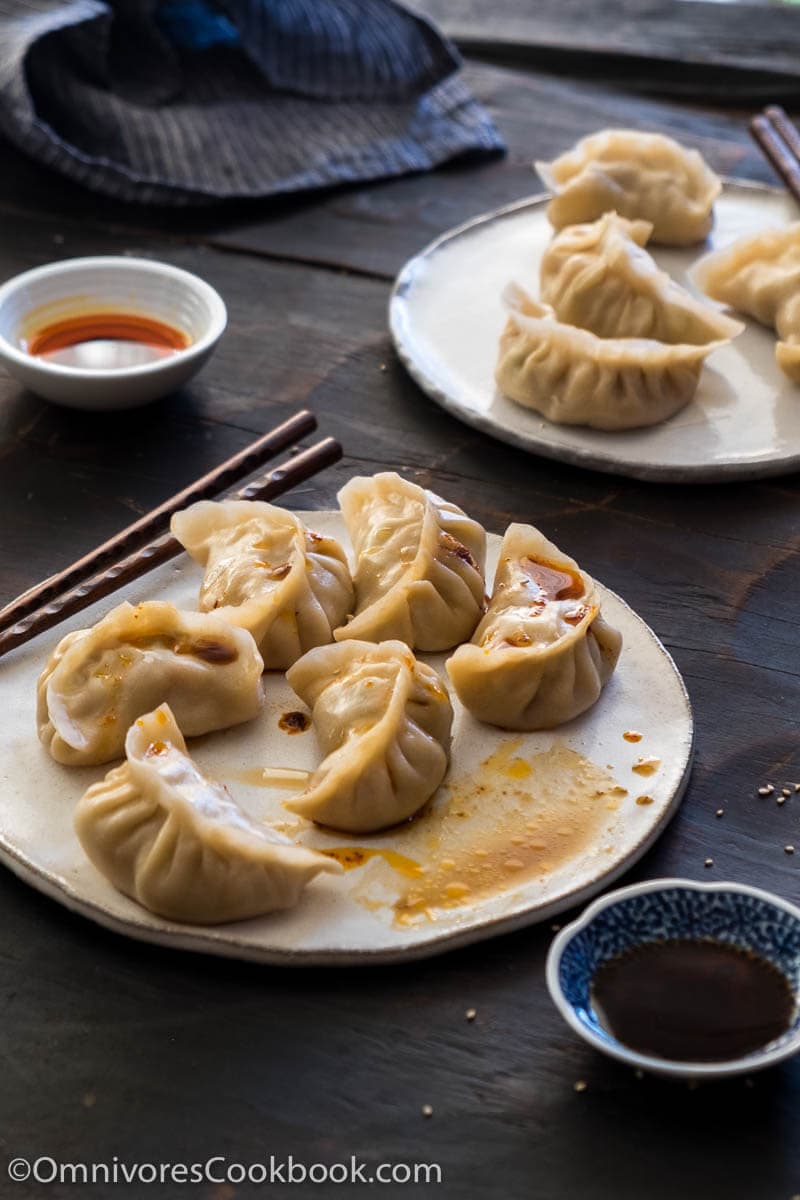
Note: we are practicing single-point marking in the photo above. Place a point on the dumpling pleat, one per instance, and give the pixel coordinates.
(573, 377)
(383, 720)
(642, 176)
(265, 572)
(178, 844)
(98, 682)
(599, 277)
(535, 661)
(419, 564)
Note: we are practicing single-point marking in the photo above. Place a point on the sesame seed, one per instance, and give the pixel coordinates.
(797, 787)
(427, 1110)
(780, 799)
(786, 791)
(720, 812)
(709, 862)
(788, 849)
(766, 789)
(555, 928)
(580, 1085)
(471, 1014)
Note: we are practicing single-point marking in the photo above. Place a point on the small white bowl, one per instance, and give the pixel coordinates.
(674, 908)
(132, 285)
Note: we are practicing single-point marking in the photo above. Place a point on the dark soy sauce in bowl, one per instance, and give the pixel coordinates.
(692, 1000)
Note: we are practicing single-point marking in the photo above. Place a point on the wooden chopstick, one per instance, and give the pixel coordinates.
(779, 140)
(279, 480)
(234, 468)
(783, 124)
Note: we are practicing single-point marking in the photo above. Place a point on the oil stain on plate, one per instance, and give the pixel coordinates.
(515, 819)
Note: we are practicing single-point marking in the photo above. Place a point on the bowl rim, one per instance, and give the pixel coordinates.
(755, 1060)
(218, 318)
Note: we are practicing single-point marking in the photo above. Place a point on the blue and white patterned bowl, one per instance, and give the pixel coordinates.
(674, 908)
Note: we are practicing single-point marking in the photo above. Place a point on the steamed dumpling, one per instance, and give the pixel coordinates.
(643, 176)
(99, 680)
(177, 843)
(383, 721)
(573, 377)
(543, 652)
(419, 564)
(600, 277)
(267, 573)
(760, 276)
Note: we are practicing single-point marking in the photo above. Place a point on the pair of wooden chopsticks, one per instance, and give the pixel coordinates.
(779, 139)
(133, 552)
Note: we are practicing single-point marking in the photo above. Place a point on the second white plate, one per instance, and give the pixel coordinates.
(446, 317)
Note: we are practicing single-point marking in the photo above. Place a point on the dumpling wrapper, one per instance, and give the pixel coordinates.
(760, 276)
(419, 573)
(543, 652)
(266, 572)
(383, 720)
(642, 176)
(178, 844)
(99, 680)
(573, 377)
(600, 277)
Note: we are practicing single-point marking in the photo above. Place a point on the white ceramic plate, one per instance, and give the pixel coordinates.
(446, 317)
(531, 824)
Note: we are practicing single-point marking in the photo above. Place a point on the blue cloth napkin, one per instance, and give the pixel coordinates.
(192, 101)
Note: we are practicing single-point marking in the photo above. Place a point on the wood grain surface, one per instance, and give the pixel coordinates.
(663, 46)
(110, 1047)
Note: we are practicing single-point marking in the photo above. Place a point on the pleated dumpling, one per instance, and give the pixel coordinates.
(266, 572)
(383, 721)
(600, 277)
(760, 276)
(177, 843)
(573, 377)
(643, 176)
(419, 564)
(543, 652)
(99, 680)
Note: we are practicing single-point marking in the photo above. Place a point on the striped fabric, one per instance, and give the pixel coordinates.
(190, 101)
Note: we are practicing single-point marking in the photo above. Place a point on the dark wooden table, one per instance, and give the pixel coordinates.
(113, 1048)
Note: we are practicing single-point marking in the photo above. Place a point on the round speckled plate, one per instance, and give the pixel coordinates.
(523, 827)
(446, 317)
